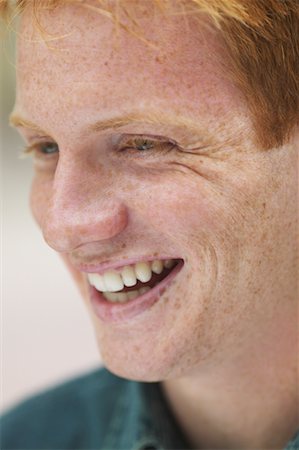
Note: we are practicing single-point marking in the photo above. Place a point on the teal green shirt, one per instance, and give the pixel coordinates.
(96, 411)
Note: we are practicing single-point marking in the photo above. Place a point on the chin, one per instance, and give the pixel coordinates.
(135, 373)
(146, 369)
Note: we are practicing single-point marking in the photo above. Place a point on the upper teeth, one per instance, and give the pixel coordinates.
(114, 281)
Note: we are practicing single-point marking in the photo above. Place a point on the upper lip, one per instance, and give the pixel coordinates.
(116, 264)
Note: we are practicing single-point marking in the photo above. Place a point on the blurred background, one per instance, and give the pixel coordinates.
(46, 334)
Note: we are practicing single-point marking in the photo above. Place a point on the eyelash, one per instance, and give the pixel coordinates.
(130, 144)
(127, 144)
(36, 148)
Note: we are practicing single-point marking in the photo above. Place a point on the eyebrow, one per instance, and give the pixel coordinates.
(149, 117)
(17, 121)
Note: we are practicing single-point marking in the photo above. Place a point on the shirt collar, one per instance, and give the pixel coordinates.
(143, 420)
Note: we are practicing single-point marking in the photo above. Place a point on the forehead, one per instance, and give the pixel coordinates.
(81, 62)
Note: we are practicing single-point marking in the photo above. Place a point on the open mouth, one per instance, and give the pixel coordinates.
(130, 282)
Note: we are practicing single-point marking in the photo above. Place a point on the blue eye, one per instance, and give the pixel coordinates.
(144, 144)
(42, 149)
(48, 148)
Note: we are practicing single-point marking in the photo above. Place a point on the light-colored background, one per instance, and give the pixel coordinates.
(46, 334)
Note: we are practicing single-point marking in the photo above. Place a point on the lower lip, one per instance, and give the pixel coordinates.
(121, 312)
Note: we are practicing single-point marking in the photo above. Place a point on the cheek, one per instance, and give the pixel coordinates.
(168, 199)
(180, 206)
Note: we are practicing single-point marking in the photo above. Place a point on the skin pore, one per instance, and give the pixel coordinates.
(223, 337)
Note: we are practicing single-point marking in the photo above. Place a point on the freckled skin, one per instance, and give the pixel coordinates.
(230, 212)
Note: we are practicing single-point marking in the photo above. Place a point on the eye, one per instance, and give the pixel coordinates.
(145, 145)
(41, 149)
(48, 148)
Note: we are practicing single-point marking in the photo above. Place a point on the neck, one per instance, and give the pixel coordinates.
(250, 400)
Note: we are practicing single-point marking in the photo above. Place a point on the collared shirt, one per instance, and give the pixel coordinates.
(98, 411)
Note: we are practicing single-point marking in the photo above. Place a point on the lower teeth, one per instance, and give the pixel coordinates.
(123, 297)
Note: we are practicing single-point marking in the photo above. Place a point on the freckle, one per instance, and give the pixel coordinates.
(155, 254)
(128, 185)
(108, 172)
(227, 310)
(164, 350)
(124, 245)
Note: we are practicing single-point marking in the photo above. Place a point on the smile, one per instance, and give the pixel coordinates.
(124, 292)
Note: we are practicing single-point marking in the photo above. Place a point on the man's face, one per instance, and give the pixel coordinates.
(202, 192)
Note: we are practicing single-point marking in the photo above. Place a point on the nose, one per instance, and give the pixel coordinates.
(82, 207)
